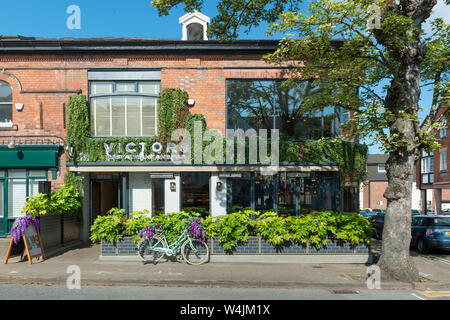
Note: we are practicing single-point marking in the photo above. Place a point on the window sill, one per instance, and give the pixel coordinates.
(8, 127)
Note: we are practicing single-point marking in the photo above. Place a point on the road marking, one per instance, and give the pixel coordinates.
(435, 294)
(436, 259)
(415, 295)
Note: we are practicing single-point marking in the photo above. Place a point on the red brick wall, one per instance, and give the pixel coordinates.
(202, 76)
(377, 189)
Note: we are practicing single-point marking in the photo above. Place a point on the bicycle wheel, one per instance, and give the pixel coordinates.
(146, 252)
(195, 252)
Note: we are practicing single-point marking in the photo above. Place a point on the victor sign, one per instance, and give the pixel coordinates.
(140, 151)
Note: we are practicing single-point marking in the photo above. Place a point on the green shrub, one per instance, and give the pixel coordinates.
(65, 200)
(235, 228)
(110, 227)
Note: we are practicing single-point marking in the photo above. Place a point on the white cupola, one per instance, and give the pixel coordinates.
(194, 25)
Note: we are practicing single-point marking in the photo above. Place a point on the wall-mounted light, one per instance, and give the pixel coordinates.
(173, 186)
(190, 102)
(19, 107)
(11, 144)
(219, 186)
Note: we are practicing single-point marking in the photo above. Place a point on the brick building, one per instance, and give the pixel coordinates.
(432, 170)
(372, 190)
(122, 79)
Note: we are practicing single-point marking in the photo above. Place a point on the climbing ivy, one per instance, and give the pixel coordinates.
(172, 112)
(77, 125)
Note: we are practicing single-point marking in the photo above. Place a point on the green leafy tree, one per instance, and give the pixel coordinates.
(370, 58)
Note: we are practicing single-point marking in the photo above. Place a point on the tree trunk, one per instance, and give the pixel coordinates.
(403, 95)
(395, 261)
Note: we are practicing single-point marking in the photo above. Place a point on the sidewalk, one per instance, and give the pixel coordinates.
(214, 274)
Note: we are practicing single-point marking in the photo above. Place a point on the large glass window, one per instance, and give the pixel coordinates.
(427, 167)
(267, 104)
(195, 191)
(5, 104)
(124, 108)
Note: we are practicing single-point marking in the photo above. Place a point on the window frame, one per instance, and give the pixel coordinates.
(442, 162)
(443, 131)
(124, 94)
(378, 167)
(10, 122)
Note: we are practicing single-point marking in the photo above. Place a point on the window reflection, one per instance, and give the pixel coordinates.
(267, 104)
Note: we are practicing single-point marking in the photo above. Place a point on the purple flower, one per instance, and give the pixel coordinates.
(21, 224)
(196, 230)
(147, 231)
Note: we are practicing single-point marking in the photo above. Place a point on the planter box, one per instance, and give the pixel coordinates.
(254, 246)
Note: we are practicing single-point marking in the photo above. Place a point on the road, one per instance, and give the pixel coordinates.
(52, 292)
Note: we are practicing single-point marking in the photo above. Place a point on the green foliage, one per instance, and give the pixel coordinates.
(234, 229)
(172, 112)
(37, 205)
(351, 156)
(64, 201)
(73, 180)
(95, 147)
(110, 227)
(77, 124)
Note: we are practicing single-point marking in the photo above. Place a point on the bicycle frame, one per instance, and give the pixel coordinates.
(171, 249)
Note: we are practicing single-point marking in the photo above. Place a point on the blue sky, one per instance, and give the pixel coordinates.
(134, 18)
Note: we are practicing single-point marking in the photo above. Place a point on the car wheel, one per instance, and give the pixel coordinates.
(421, 246)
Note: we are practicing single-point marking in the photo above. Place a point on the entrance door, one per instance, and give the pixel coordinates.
(157, 197)
(105, 196)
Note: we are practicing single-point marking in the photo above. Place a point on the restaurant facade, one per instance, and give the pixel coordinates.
(122, 79)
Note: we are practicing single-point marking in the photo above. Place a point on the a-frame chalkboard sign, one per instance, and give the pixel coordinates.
(29, 243)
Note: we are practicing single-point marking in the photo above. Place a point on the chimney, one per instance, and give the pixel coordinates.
(194, 26)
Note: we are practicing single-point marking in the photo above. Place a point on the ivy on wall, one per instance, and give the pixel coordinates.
(172, 112)
(78, 129)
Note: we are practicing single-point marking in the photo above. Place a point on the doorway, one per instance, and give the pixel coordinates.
(157, 197)
(105, 196)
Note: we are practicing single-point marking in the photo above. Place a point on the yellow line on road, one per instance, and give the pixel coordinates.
(435, 294)
(436, 259)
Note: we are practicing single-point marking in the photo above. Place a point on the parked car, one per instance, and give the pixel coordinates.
(415, 212)
(366, 214)
(430, 211)
(377, 210)
(430, 232)
(368, 209)
(446, 212)
(377, 221)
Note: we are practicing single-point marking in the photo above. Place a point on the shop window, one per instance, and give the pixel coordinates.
(5, 104)
(124, 108)
(195, 192)
(287, 194)
(241, 196)
(267, 104)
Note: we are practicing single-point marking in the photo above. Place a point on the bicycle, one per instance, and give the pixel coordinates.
(193, 251)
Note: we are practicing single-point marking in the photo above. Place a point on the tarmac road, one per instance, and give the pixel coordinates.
(58, 292)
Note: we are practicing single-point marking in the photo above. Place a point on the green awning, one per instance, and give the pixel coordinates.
(28, 156)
